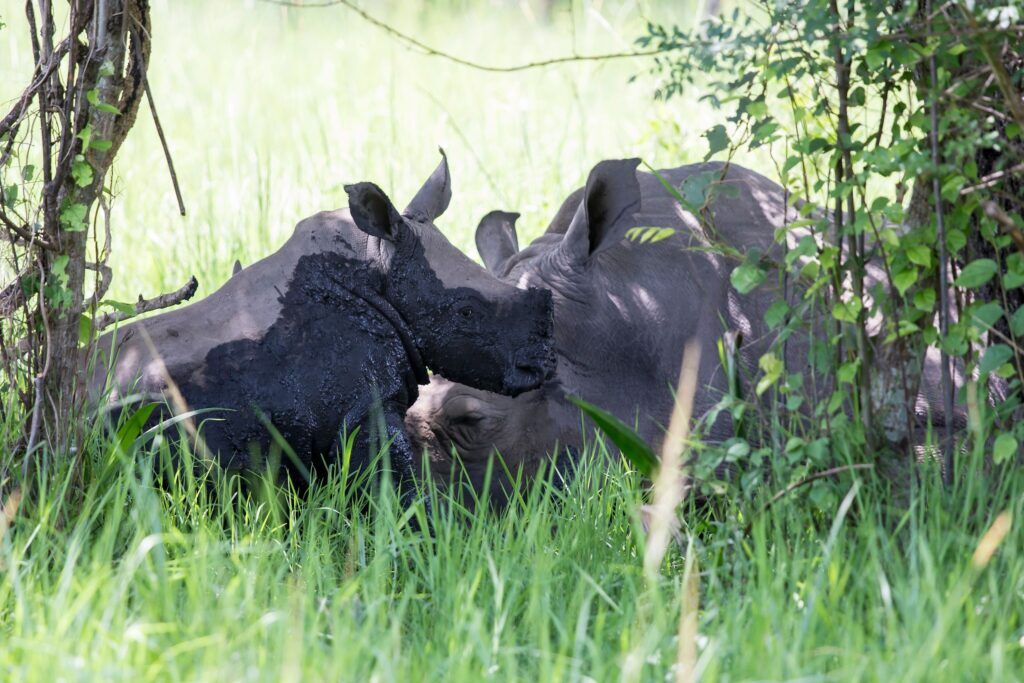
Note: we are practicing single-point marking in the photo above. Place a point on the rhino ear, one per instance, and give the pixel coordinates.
(373, 212)
(237, 268)
(606, 211)
(496, 238)
(432, 199)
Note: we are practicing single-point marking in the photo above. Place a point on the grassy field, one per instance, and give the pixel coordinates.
(269, 112)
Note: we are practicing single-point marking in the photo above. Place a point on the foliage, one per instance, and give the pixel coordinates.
(841, 96)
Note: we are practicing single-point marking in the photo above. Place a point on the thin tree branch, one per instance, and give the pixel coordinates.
(25, 234)
(993, 178)
(147, 305)
(37, 383)
(434, 52)
(993, 211)
(163, 143)
(831, 472)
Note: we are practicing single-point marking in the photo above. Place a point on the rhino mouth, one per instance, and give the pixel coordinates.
(528, 371)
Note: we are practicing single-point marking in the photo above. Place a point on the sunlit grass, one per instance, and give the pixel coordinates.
(211, 580)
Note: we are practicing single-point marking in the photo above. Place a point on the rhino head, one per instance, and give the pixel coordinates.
(463, 428)
(468, 325)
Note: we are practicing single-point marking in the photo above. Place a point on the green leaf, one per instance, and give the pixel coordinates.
(93, 96)
(772, 368)
(757, 109)
(924, 300)
(847, 311)
(904, 280)
(85, 135)
(649, 235)
(920, 254)
(985, 315)
(776, 313)
(956, 240)
(1017, 323)
(1013, 276)
(119, 306)
(976, 273)
(81, 171)
(746, 277)
(132, 427)
(633, 448)
(847, 372)
(72, 217)
(1004, 448)
(84, 329)
(718, 139)
(995, 356)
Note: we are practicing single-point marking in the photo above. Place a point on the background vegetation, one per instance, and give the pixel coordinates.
(268, 112)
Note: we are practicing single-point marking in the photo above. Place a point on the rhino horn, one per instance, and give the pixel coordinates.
(433, 198)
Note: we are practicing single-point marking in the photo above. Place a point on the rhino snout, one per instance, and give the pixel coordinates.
(529, 369)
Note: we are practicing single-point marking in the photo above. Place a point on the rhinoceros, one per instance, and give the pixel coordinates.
(334, 332)
(624, 311)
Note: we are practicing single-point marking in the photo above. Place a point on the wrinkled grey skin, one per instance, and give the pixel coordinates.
(623, 313)
(333, 332)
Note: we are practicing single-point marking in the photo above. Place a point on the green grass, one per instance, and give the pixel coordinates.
(202, 581)
(105, 575)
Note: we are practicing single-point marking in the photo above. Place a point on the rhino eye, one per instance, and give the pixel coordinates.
(468, 419)
(466, 312)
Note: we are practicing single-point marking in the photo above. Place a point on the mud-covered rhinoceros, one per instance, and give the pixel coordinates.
(334, 332)
(624, 311)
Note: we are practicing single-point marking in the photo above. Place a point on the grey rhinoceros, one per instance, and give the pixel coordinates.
(623, 313)
(334, 332)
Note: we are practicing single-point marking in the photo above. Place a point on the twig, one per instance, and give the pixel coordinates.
(12, 296)
(163, 143)
(21, 106)
(105, 277)
(434, 52)
(147, 305)
(993, 211)
(24, 233)
(993, 178)
(831, 472)
(33, 434)
(940, 229)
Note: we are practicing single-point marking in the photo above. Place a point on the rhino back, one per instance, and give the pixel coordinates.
(243, 308)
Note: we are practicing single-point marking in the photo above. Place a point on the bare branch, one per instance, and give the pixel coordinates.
(148, 305)
(21, 106)
(993, 211)
(37, 383)
(163, 143)
(12, 297)
(22, 232)
(434, 52)
(993, 178)
(831, 472)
